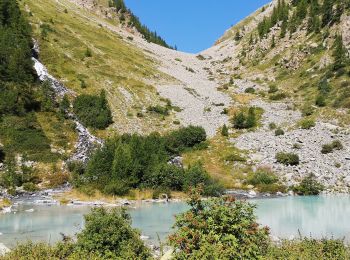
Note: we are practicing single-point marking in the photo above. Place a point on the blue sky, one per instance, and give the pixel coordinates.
(193, 25)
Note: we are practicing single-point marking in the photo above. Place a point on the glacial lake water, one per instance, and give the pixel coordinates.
(321, 216)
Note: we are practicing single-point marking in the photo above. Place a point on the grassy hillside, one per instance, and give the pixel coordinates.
(78, 48)
(296, 53)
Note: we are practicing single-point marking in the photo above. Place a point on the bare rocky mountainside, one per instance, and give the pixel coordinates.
(273, 94)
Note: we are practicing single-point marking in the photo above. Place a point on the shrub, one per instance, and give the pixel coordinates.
(29, 186)
(118, 188)
(328, 148)
(279, 132)
(272, 89)
(278, 96)
(185, 137)
(309, 186)
(167, 176)
(244, 120)
(320, 101)
(262, 176)
(88, 53)
(272, 126)
(250, 90)
(307, 123)
(234, 157)
(134, 161)
(93, 111)
(224, 131)
(196, 176)
(159, 110)
(220, 228)
(307, 111)
(287, 158)
(309, 248)
(108, 233)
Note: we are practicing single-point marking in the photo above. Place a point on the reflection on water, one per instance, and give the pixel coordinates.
(317, 216)
(323, 216)
(45, 223)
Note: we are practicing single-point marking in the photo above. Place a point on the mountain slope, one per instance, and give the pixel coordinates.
(298, 73)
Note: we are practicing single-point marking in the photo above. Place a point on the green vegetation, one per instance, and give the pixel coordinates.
(265, 181)
(280, 13)
(287, 158)
(250, 90)
(309, 248)
(224, 130)
(134, 21)
(133, 161)
(329, 148)
(309, 186)
(93, 111)
(246, 120)
(307, 123)
(22, 101)
(107, 235)
(218, 229)
(279, 131)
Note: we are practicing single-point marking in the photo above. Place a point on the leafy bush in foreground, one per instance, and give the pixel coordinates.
(107, 235)
(218, 229)
(309, 248)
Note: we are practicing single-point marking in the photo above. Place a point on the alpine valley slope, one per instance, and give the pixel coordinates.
(206, 89)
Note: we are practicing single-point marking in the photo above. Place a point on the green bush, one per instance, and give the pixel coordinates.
(218, 229)
(159, 110)
(250, 90)
(134, 161)
(262, 176)
(309, 186)
(272, 126)
(272, 89)
(328, 148)
(93, 111)
(309, 248)
(234, 157)
(196, 175)
(29, 186)
(108, 233)
(224, 131)
(287, 158)
(167, 175)
(307, 110)
(307, 123)
(279, 132)
(245, 120)
(278, 96)
(186, 137)
(320, 101)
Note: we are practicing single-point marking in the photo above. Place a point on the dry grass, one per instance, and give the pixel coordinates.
(115, 65)
(5, 203)
(214, 161)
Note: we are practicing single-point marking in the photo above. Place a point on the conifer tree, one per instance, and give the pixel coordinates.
(339, 53)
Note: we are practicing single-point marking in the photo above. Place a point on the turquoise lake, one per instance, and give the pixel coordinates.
(321, 216)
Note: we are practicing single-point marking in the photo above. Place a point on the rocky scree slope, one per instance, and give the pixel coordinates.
(291, 66)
